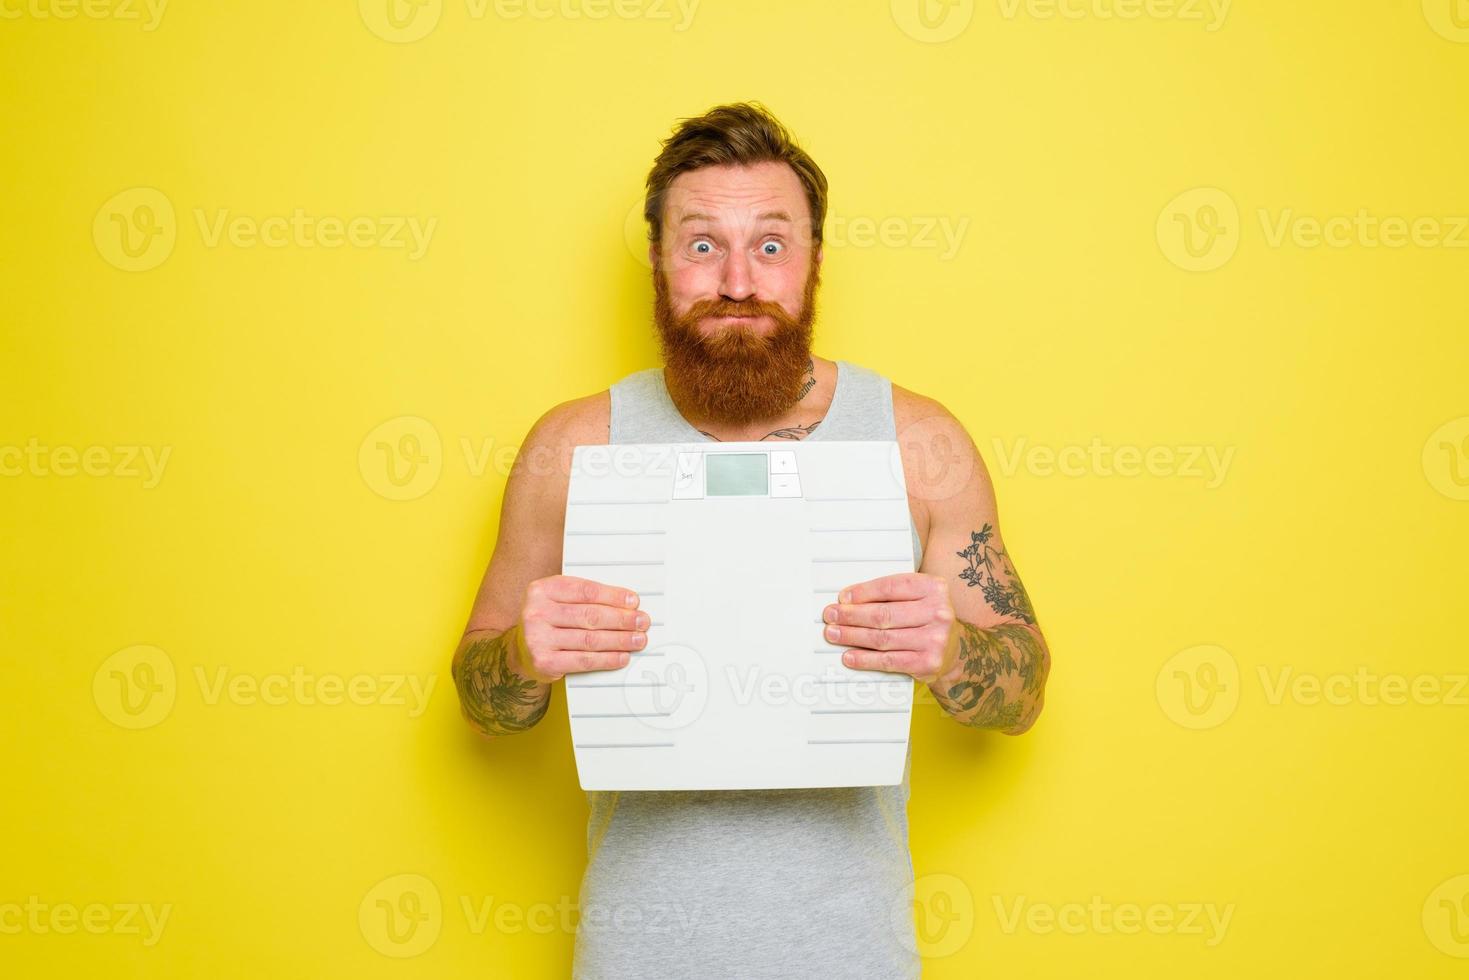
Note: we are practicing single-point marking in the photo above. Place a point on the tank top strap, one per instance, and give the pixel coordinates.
(861, 408)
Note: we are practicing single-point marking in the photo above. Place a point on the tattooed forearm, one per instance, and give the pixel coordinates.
(992, 572)
(1000, 678)
(496, 699)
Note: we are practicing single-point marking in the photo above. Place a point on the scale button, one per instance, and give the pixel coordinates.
(785, 485)
(783, 461)
(688, 479)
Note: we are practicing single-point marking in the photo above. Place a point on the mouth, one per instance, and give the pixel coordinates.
(736, 318)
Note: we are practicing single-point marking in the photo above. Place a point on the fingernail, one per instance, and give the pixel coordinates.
(833, 633)
(845, 596)
(643, 621)
(639, 640)
(829, 614)
(631, 599)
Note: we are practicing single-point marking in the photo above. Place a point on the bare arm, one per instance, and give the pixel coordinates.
(997, 660)
(962, 623)
(495, 693)
(530, 625)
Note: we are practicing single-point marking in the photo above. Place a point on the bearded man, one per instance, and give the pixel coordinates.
(763, 883)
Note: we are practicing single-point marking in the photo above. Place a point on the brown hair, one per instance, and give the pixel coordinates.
(741, 134)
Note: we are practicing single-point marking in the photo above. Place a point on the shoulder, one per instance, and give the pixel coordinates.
(941, 462)
(543, 462)
(575, 422)
(588, 420)
(910, 407)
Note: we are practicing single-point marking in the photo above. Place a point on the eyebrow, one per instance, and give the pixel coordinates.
(766, 216)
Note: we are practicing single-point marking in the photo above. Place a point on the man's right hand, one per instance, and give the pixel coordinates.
(570, 625)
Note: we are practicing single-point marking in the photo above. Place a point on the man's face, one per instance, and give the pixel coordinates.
(735, 287)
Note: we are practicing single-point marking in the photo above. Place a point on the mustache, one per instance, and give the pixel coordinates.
(721, 307)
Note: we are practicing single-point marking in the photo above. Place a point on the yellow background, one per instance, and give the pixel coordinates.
(1335, 541)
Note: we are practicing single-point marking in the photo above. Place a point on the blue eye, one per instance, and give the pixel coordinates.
(772, 248)
(702, 243)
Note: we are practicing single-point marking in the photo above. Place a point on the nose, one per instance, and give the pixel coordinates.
(735, 281)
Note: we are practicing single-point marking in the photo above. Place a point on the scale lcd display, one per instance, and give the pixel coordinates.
(736, 474)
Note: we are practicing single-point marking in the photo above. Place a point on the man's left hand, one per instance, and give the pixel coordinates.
(902, 623)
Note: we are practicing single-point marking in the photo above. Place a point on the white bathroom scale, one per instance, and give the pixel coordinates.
(734, 549)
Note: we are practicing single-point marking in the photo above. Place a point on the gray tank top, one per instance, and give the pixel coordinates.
(749, 883)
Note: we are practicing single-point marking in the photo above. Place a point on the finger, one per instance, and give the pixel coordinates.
(574, 639)
(569, 588)
(580, 661)
(879, 615)
(910, 638)
(908, 662)
(593, 617)
(903, 585)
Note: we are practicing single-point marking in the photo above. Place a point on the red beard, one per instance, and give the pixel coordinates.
(735, 376)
